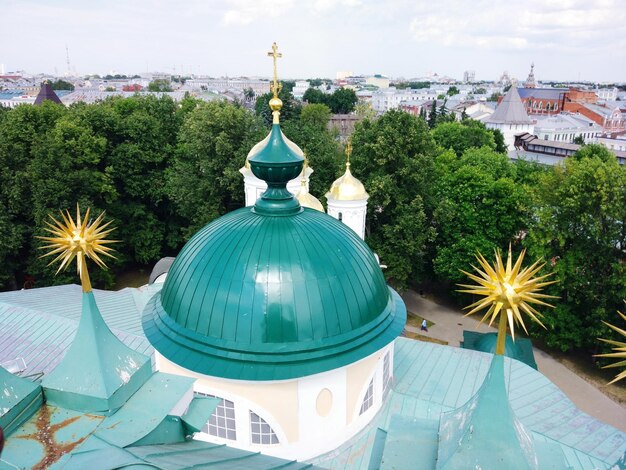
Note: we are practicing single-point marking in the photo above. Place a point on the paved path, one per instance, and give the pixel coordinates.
(450, 323)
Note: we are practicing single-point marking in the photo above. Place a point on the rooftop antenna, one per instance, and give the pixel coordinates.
(67, 57)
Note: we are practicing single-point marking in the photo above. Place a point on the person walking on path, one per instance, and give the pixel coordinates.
(424, 326)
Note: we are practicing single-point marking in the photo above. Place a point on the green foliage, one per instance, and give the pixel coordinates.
(579, 140)
(318, 144)
(461, 136)
(579, 228)
(394, 158)
(364, 111)
(290, 110)
(61, 85)
(160, 84)
(342, 101)
(453, 90)
(314, 96)
(498, 138)
(315, 115)
(412, 85)
(204, 181)
(494, 96)
(480, 207)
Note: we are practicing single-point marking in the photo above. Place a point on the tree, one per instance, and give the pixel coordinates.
(290, 110)
(159, 85)
(432, 116)
(315, 115)
(480, 207)
(61, 85)
(204, 180)
(21, 131)
(498, 138)
(314, 96)
(364, 111)
(248, 94)
(460, 136)
(579, 140)
(453, 90)
(394, 158)
(579, 226)
(342, 101)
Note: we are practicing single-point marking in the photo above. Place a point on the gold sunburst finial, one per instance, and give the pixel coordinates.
(619, 351)
(276, 103)
(80, 239)
(508, 292)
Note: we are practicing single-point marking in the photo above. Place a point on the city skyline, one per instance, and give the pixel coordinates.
(567, 40)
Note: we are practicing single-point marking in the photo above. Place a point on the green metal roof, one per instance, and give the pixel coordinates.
(274, 291)
(485, 433)
(99, 372)
(145, 410)
(521, 349)
(430, 379)
(19, 399)
(262, 298)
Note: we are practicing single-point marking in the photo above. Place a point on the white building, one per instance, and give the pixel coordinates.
(300, 88)
(607, 94)
(391, 98)
(378, 80)
(510, 118)
(565, 127)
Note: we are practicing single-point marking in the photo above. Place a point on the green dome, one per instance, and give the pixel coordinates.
(264, 298)
(273, 291)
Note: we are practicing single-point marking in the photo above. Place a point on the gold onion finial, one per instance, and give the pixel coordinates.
(507, 290)
(619, 351)
(276, 103)
(80, 239)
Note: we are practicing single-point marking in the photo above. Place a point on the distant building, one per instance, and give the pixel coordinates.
(343, 124)
(222, 85)
(530, 80)
(504, 80)
(378, 80)
(300, 88)
(548, 152)
(343, 75)
(46, 94)
(614, 142)
(510, 118)
(607, 94)
(565, 127)
(391, 98)
(469, 76)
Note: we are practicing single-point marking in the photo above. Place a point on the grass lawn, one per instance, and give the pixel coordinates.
(413, 319)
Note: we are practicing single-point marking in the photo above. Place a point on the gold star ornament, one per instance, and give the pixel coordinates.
(81, 239)
(619, 351)
(508, 292)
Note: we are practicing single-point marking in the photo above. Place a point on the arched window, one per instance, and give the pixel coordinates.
(260, 431)
(222, 421)
(368, 399)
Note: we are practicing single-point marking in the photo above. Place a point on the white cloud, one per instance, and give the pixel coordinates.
(243, 12)
(527, 25)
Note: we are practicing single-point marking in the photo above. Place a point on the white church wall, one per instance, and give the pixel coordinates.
(351, 213)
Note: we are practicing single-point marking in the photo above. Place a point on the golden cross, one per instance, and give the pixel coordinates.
(348, 151)
(276, 87)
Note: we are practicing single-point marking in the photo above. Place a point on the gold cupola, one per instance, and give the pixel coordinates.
(347, 187)
(304, 197)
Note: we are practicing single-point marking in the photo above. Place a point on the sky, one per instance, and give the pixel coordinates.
(566, 39)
